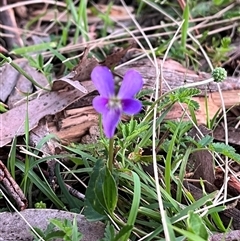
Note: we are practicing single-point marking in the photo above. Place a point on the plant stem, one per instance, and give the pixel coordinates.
(110, 159)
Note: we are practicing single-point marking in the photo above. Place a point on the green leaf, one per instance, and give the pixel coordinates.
(76, 235)
(109, 233)
(2, 107)
(110, 191)
(218, 2)
(58, 223)
(169, 158)
(195, 225)
(55, 234)
(206, 140)
(94, 199)
(225, 150)
(39, 232)
(184, 95)
(189, 235)
(40, 61)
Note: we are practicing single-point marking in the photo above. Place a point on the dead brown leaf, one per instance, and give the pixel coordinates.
(86, 65)
(8, 80)
(66, 83)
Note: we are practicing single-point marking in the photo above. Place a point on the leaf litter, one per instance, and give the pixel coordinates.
(69, 84)
(65, 91)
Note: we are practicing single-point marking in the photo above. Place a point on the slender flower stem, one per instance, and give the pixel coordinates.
(110, 159)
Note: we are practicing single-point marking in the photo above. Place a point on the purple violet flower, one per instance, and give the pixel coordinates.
(112, 105)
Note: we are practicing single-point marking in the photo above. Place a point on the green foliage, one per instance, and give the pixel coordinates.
(43, 186)
(38, 63)
(130, 132)
(168, 163)
(206, 140)
(225, 150)
(134, 207)
(127, 195)
(184, 95)
(2, 108)
(106, 20)
(70, 230)
(186, 13)
(101, 194)
(196, 226)
(40, 205)
(111, 235)
(66, 230)
(221, 2)
(33, 48)
(79, 17)
(202, 9)
(73, 203)
(220, 49)
(220, 148)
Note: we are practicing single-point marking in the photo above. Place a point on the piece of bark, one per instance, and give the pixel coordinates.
(233, 182)
(75, 124)
(12, 187)
(175, 76)
(233, 135)
(12, 122)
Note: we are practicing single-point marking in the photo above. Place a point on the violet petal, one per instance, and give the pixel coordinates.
(110, 121)
(100, 104)
(132, 83)
(103, 81)
(131, 106)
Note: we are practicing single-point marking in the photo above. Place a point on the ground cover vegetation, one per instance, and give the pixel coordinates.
(137, 102)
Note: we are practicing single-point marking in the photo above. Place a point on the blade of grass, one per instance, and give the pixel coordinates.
(82, 20)
(135, 204)
(72, 201)
(189, 235)
(43, 187)
(182, 174)
(168, 163)
(12, 158)
(185, 26)
(34, 48)
(27, 163)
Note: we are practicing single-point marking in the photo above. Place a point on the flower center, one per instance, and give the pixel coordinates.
(114, 103)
